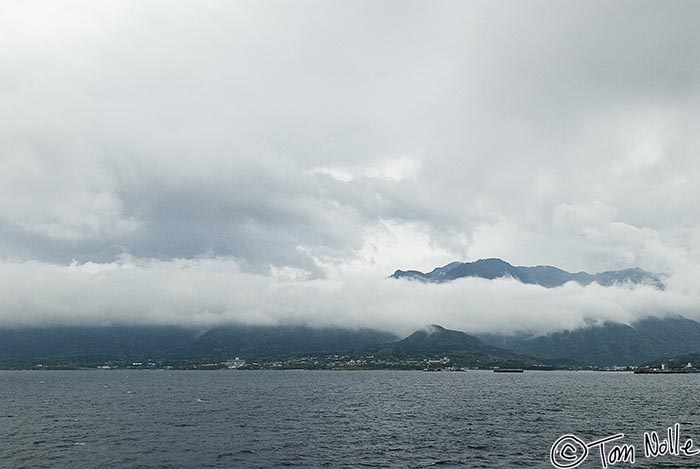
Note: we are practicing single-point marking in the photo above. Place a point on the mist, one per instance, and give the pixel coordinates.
(210, 292)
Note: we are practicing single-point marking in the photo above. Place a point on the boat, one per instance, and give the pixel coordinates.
(508, 370)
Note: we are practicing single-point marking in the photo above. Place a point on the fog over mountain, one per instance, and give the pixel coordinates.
(207, 292)
(272, 162)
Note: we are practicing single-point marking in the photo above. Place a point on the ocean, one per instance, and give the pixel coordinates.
(232, 419)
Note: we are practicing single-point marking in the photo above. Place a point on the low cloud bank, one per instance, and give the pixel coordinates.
(209, 292)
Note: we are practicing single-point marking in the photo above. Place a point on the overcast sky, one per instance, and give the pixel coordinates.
(274, 161)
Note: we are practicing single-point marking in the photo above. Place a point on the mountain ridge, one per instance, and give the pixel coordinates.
(610, 343)
(544, 275)
(597, 345)
(462, 349)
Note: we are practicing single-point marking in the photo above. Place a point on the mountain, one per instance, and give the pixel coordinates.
(611, 343)
(90, 345)
(272, 341)
(85, 344)
(546, 276)
(608, 344)
(436, 342)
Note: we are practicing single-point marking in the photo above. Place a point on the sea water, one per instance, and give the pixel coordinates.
(230, 419)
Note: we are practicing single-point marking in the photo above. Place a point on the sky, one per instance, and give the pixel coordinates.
(272, 162)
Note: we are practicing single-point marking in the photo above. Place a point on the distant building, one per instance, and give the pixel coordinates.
(235, 363)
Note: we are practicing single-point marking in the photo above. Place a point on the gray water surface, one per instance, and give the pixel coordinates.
(226, 419)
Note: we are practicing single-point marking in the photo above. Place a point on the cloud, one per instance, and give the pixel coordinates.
(340, 141)
(214, 291)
